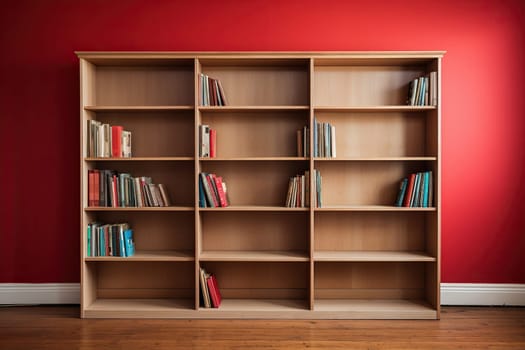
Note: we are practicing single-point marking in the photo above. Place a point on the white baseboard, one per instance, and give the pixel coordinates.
(451, 294)
(482, 294)
(39, 293)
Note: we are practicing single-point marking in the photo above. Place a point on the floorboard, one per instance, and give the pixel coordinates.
(59, 327)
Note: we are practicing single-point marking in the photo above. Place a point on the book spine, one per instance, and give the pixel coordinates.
(402, 191)
(222, 196)
(410, 188)
(213, 143)
(116, 141)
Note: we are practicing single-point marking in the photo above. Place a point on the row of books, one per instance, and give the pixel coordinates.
(210, 293)
(422, 91)
(324, 140)
(110, 240)
(211, 92)
(109, 188)
(207, 142)
(416, 190)
(104, 140)
(212, 191)
(298, 195)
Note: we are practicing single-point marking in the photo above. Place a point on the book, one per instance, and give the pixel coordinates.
(116, 140)
(402, 191)
(129, 242)
(222, 196)
(213, 143)
(204, 138)
(410, 187)
(214, 292)
(204, 288)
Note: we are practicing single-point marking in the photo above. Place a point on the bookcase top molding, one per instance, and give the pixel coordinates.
(101, 57)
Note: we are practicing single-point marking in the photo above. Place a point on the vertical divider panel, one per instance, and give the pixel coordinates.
(312, 195)
(197, 227)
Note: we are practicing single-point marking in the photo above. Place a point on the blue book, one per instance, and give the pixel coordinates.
(425, 188)
(130, 244)
(202, 196)
(102, 242)
(122, 242)
(89, 240)
(402, 191)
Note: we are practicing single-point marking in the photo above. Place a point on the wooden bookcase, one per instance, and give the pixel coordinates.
(358, 256)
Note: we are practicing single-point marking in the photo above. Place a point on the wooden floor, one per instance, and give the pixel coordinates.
(56, 328)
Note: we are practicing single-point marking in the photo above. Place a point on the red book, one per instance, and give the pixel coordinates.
(91, 187)
(96, 188)
(215, 294)
(213, 92)
(214, 192)
(116, 141)
(213, 143)
(220, 191)
(410, 187)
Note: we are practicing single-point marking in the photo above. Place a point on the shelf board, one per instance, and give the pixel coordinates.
(371, 208)
(400, 108)
(138, 108)
(256, 159)
(253, 208)
(282, 256)
(374, 309)
(374, 159)
(220, 109)
(134, 159)
(139, 209)
(372, 256)
(140, 308)
(160, 255)
(258, 305)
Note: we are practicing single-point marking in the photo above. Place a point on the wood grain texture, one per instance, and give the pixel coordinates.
(59, 328)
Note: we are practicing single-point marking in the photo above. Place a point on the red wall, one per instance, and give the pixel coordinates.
(483, 227)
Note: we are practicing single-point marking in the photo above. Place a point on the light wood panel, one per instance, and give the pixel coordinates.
(371, 256)
(397, 280)
(131, 279)
(363, 85)
(372, 134)
(254, 231)
(363, 183)
(143, 86)
(261, 85)
(370, 231)
(246, 134)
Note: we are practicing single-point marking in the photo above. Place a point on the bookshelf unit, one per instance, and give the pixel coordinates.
(357, 256)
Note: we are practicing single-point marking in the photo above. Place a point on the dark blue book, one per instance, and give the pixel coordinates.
(402, 190)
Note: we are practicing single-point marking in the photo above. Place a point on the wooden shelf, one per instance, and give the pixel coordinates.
(375, 159)
(160, 255)
(253, 208)
(262, 256)
(253, 159)
(137, 108)
(138, 159)
(132, 209)
(372, 208)
(141, 308)
(364, 256)
(375, 309)
(258, 305)
(230, 109)
(374, 108)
